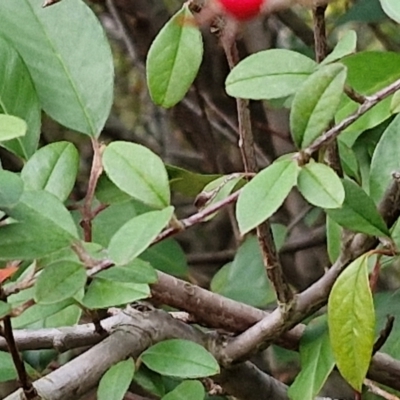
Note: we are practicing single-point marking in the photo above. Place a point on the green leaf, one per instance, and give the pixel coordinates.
(44, 226)
(107, 223)
(137, 271)
(68, 316)
(187, 182)
(7, 368)
(44, 209)
(395, 103)
(25, 241)
(269, 74)
(137, 171)
(351, 319)
(265, 193)
(77, 62)
(104, 293)
(368, 72)
(150, 381)
(392, 9)
(317, 361)
(315, 103)
(52, 168)
(115, 382)
(333, 238)
(11, 188)
(137, 234)
(180, 358)
(167, 256)
(18, 97)
(5, 308)
(108, 193)
(192, 390)
(358, 212)
(349, 161)
(218, 190)
(385, 160)
(366, 11)
(320, 185)
(11, 127)
(174, 59)
(345, 46)
(39, 312)
(245, 279)
(386, 303)
(59, 281)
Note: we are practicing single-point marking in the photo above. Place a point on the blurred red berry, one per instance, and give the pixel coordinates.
(241, 9)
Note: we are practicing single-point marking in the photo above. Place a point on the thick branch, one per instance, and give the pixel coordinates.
(131, 334)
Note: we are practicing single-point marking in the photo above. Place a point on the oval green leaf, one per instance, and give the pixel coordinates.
(137, 271)
(265, 193)
(46, 211)
(358, 212)
(52, 168)
(18, 97)
(11, 127)
(392, 9)
(333, 239)
(59, 281)
(367, 72)
(317, 361)
(180, 358)
(5, 308)
(104, 293)
(137, 171)
(269, 74)
(320, 185)
(77, 61)
(192, 390)
(385, 160)
(395, 103)
(167, 256)
(115, 382)
(245, 279)
(315, 103)
(174, 59)
(137, 234)
(351, 319)
(11, 188)
(345, 46)
(150, 381)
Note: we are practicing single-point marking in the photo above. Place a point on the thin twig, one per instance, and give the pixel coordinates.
(384, 334)
(197, 218)
(370, 102)
(25, 382)
(375, 389)
(269, 253)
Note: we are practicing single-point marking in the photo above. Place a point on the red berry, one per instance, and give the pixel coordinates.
(241, 9)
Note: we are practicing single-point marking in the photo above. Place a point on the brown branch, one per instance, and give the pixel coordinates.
(384, 334)
(264, 234)
(375, 389)
(313, 298)
(197, 218)
(24, 380)
(320, 42)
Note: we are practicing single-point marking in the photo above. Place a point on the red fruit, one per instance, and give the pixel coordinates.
(242, 9)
